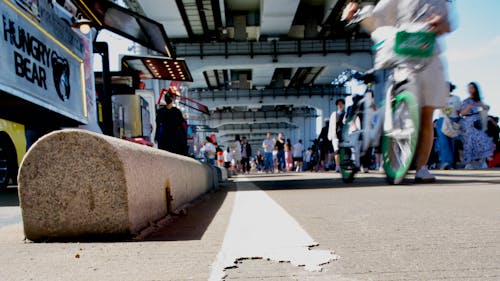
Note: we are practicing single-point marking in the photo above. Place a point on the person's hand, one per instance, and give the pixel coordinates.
(349, 11)
(438, 24)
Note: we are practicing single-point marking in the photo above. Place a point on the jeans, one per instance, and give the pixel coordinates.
(446, 144)
(281, 160)
(245, 164)
(268, 162)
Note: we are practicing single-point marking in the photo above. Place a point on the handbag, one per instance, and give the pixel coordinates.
(484, 119)
(449, 128)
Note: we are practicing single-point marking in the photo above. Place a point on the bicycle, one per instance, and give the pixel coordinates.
(397, 126)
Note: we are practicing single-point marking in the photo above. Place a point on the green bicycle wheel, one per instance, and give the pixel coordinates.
(347, 166)
(398, 145)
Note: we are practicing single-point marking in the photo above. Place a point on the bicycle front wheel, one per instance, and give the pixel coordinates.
(399, 142)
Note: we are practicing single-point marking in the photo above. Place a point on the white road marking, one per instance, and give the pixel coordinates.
(260, 228)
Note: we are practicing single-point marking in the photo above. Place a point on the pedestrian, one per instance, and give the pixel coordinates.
(227, 158)
(280, 155)
(433, 162)
(288, 155)
(275, 157)
(298, 155)
(335, 130)
(236, 149)
(446, 143)
(477, 145)
(260, 161)
(209, 151)
(430, 81)
(220, 155)
(307, 160)
(246, 153)
(493, 131)
(268, 145)
(325, 145)
(171, 126)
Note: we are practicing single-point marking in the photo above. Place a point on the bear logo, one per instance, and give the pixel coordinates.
(60, 73)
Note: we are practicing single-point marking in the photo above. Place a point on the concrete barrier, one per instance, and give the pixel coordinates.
(76, 184)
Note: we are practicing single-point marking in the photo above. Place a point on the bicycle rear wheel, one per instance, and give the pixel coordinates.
(399, 144)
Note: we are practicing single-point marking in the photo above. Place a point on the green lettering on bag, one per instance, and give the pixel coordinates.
(415, 44)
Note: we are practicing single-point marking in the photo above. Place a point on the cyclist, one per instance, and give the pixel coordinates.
(430, 82)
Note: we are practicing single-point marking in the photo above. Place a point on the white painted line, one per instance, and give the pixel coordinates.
(260, 228)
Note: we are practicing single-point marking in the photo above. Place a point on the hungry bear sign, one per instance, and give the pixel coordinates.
(37, 65)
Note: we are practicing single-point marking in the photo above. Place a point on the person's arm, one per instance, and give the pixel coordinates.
(483, 106)
(466, 108)
(456, 105)
(383, 14)
(332, 126)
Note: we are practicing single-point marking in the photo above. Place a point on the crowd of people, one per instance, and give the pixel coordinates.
(275, 155)
(463, 135)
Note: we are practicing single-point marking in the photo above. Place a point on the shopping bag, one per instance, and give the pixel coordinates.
(450, 128)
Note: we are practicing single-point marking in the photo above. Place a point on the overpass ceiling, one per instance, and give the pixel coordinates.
(245, 22)
(210, 20)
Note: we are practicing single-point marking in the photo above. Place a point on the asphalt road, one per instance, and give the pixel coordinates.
(291, 227)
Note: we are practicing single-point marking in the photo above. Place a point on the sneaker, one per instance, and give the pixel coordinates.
(469, 167)
(424, 176)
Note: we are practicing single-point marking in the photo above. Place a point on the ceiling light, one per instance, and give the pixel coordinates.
(84, 25)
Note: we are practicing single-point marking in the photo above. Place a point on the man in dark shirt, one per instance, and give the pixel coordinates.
(325, 145)
(171, 128)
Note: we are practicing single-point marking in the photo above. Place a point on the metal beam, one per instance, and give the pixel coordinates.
(203, 17)
(185, 19)
(259, 94)
(262, 115)
(216, 10)
(273, 48)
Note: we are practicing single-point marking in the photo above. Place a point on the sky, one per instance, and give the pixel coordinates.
(473, 50)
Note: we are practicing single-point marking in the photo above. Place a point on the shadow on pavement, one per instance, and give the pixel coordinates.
(378, 180)
(306, 184)
(9, 197)
(193, 225)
